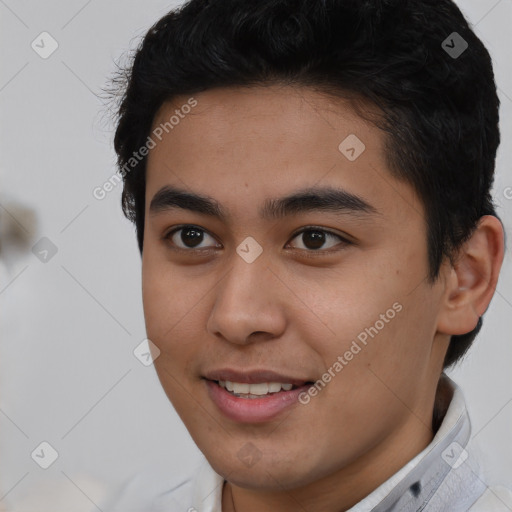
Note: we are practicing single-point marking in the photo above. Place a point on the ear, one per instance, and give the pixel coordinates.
(472, 280)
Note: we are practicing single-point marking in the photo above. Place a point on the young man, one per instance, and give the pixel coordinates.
(310, 182)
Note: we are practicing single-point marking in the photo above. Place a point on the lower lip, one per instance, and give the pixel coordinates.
(253, 410)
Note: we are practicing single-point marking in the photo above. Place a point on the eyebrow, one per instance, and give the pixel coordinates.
(305, 200)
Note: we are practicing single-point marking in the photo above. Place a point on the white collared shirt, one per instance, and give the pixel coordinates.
(444, 477)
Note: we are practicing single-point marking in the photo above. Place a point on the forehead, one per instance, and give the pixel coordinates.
(276, 112)
(269, 141)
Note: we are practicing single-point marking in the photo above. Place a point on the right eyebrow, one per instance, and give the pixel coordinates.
(170, 197)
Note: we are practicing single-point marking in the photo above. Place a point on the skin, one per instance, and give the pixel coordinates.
(208, 308)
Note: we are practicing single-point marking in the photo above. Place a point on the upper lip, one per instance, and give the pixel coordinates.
(253, 376)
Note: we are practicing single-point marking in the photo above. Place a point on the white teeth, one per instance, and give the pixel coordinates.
(241, 388)
(274, 387)
(260, 389)
(254, 389)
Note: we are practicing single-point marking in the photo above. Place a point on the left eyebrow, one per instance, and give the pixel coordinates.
(305, 200)
(336, 200)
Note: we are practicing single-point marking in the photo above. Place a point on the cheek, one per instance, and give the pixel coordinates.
(157, 303)
(370, 318)
(385, 359)
(166, 298)
(174, 302)
(347, 303)
(169, 317)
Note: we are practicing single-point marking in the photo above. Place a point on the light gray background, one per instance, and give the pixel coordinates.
(69, 326)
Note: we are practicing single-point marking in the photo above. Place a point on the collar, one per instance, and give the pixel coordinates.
(444, 476)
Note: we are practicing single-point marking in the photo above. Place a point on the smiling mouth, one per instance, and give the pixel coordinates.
(255, 402)
(259, 390)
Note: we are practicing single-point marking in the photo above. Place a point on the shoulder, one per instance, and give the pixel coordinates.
(494, 499)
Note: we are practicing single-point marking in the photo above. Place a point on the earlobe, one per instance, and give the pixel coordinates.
(472, 279)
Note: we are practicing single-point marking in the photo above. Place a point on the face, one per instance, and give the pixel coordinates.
(328, 287)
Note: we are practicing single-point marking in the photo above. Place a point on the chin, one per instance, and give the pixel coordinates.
(265, 474)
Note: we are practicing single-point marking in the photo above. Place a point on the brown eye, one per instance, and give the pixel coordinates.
(189, 237)
(313, 239)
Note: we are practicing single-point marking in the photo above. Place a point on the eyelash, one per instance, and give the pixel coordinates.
(307, 252)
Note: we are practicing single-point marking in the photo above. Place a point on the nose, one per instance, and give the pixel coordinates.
(249, 303)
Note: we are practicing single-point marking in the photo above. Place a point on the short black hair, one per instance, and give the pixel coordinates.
(439, 110)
